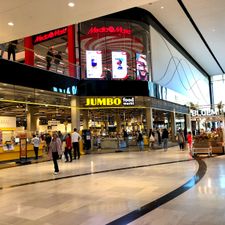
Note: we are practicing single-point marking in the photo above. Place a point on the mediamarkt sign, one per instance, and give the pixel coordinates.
(125, 101)
(109, 29)
(49, 35)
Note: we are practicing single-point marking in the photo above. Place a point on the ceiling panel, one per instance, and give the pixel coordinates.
(171, 16)
(32, 17)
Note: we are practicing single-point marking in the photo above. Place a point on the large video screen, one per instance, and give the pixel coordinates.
(141, 67)
(94, 64)
(119, 65)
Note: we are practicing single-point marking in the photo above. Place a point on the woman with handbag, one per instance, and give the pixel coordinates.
(151, 138)
(55, 150)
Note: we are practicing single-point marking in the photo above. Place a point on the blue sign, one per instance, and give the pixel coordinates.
(69, 90)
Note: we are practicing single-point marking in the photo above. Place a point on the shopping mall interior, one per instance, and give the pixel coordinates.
(141, 81)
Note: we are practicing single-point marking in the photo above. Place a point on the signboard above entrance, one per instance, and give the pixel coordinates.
(49, 35)
(118, 101)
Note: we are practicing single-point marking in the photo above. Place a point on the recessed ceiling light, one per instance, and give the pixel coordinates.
(11, 24)
(71, 4)
(162, 7)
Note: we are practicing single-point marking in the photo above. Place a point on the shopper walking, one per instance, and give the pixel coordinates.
(165, 137)
(189, 140)
(151, 138)
(68, 148)
(55, 150)
(140, 141)
(36, 142)
(75, 142)
(180, 139)
(125, 137)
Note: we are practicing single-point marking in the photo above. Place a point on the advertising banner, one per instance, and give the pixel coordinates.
(141, 67)
(23, 148)
(94, 64)
(119, 65)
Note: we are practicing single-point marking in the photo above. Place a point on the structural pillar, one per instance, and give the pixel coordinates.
(188, 121)
(75, 113)
(173, 125)
(85, 120)
(29, 51)
(71, 50)
(32, 119)
(149, 119)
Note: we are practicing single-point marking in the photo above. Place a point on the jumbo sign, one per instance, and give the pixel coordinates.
(125, 101)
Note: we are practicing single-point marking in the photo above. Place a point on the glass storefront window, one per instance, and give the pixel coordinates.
(128, 38)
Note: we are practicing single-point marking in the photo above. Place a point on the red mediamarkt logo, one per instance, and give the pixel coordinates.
(50, 35)
(110, 29)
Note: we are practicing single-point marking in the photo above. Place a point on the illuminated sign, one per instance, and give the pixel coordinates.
(205, 112)
(49, 35)
(109, 29)
(94, 64)
(128, 101)
(69, 90)
(125, 101)
(119, 64)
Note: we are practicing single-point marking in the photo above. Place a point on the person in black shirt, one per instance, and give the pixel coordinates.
(165, 136)
(49, 57)
(12, 50)
(57, 60)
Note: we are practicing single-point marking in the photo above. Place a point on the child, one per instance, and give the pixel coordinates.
(189, 140)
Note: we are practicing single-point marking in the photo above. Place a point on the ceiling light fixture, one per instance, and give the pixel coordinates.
(11, 24)
(162, 7)
(71, 4)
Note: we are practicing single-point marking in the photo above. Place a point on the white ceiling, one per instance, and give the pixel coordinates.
(209, 18)
(36, 16)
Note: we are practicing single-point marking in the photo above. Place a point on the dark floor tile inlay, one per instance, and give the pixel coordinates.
(164, 199)
(90, 173)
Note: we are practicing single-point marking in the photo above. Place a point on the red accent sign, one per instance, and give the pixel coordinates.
(49, 35)
(109, 29)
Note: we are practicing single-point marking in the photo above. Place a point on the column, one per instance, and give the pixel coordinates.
(85, 120)
(29, 51)
(188, 122)
(71, 50)
(149, 118)
(173, 125)
(32, 119)
(75, 113)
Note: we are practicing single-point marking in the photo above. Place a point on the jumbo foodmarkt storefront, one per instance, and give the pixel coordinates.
(109, 115)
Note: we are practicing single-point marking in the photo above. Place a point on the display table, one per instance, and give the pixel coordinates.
(14, 152)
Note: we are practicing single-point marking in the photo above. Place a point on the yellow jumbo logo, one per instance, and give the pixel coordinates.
(103, 101)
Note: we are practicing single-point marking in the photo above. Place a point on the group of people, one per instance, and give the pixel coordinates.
(182, 138)
(55, 56)
(160, 137)
(54, 147)
(163, 137)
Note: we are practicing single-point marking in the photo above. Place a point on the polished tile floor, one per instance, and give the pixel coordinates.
(101, 188)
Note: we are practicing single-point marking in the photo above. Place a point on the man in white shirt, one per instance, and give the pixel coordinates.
(75, 137)
(36, 142)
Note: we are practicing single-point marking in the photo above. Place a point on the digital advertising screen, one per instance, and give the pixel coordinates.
(94, 64)
(141, 67)
(119, 65)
